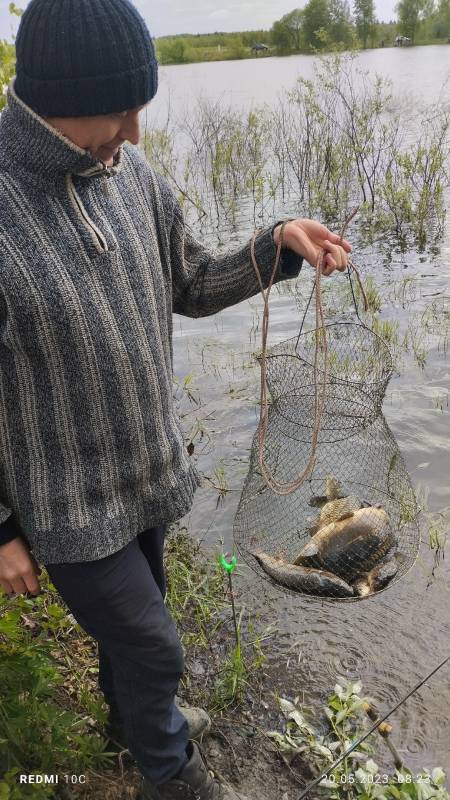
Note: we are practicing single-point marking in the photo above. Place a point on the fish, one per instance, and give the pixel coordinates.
(377, 578)
(332, 492)
(304, 579)
(335, 510)
(351, 545)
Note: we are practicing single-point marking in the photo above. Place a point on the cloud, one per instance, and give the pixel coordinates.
(219, 14)
(201, 16)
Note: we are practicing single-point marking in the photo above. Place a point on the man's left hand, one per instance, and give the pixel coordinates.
(308, 238)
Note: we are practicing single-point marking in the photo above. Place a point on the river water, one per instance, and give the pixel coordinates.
(392, 640)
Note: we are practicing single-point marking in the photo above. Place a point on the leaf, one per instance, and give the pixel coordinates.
(357, 705)
(286, 706)
(438, 776)
(340, 716)
(323, 751)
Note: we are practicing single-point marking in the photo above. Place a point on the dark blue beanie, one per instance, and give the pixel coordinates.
(79, 58)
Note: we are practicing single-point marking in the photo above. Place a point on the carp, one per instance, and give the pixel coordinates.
(334, 511)
(377, 578)
(349, 546)
(304, 579)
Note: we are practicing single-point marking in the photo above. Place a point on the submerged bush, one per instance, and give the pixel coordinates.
(334, 142)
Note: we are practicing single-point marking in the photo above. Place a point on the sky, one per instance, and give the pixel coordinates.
(203, 16)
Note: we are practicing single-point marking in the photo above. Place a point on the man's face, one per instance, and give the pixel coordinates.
(101, 135)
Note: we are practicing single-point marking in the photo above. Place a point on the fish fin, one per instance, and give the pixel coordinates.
(310, 550)
(314, 528)
(345, 515)
(317, 502)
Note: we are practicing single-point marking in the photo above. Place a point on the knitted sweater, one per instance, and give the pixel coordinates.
(93, 262)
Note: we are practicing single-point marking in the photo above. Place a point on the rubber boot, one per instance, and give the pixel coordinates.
(198, 722)
(194, 782)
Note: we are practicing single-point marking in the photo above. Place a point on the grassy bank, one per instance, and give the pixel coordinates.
(48, 671)
(190, 49)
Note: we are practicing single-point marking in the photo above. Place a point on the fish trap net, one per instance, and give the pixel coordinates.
(347, 532)
(327, 509)
(354, 371)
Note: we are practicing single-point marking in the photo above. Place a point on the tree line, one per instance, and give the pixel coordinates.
(324, 23)
(320, 25)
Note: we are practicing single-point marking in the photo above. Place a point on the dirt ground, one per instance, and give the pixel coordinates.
(234, 750)
(237, 750)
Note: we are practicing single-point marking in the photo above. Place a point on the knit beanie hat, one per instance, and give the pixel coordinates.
(78, 58)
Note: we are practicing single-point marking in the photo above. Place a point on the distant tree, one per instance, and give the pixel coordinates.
(250, 37)
(172, 51)
(409, 15)
(316, 19)
(341, 29)
(364, 14)
(441, 23)
(236, 48)
(280, 37)
(287, 31)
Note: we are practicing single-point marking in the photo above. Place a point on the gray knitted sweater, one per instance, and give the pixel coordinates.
(93, 261)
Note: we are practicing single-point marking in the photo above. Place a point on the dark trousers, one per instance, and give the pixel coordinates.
(118, 601)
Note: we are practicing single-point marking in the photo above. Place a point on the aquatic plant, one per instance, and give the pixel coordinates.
(332, 142)
(7, 60)
(358, 775)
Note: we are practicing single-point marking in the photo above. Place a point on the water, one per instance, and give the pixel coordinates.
(419, 74)
(390, 641)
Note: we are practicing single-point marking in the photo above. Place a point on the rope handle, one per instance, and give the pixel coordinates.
(285, 489)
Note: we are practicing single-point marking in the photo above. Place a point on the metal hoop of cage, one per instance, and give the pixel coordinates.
(358, 368)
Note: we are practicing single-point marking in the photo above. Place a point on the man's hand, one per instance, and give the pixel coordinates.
(307, 238)
(18, 568)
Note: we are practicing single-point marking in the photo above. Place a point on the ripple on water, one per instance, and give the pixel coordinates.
(385, 642)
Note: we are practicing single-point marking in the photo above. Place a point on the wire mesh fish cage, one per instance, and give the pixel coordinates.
(327, 509)
(360, 481)
(359, 367)
(348, 359)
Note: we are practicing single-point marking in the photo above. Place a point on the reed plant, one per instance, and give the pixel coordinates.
(338, 140)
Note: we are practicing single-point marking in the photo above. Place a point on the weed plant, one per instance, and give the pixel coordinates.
(335, 141)
(197, 599)
(358, 776)
(41, 730)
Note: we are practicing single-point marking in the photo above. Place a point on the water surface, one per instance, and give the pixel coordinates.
(393, 640)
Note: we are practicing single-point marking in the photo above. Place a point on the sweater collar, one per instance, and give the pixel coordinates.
(42, 155)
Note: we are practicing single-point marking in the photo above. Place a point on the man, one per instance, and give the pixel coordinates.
(94, 258)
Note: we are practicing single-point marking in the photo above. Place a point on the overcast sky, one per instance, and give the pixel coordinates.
(204, 16)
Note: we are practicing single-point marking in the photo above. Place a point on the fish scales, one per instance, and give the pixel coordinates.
(351, 545)
(304, 579)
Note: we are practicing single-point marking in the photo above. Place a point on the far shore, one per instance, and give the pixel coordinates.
(224, 53)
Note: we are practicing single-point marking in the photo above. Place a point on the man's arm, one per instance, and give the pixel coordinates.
(9, 530)
(205, 282)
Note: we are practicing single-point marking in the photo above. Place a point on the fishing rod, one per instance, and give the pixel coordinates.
(362, 739)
